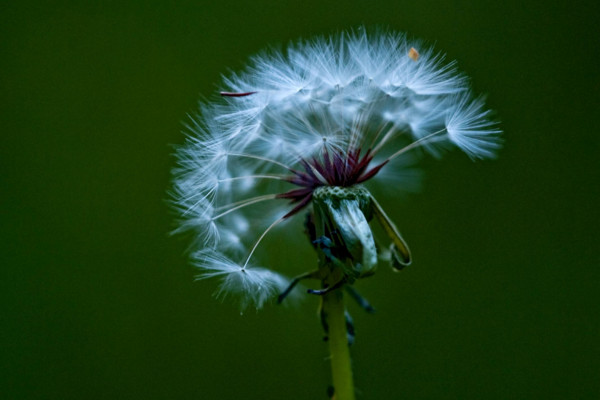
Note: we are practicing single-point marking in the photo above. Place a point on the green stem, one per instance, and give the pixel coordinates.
(341, 369)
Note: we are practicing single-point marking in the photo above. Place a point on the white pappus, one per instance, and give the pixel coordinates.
(330, 112)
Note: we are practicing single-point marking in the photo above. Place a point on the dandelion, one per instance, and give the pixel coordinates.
(302, 136)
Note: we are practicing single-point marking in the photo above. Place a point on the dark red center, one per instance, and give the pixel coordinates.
(338, 169)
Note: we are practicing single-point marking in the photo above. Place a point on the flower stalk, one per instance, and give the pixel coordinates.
(341, 368)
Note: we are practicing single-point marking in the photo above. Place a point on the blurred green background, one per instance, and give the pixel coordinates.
(99, 302)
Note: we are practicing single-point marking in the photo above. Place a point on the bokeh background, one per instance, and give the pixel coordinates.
(98, 301)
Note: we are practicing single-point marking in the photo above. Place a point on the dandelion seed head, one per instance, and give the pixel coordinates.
(339, 111)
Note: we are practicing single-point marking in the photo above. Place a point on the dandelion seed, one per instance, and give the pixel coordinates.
(309, 131)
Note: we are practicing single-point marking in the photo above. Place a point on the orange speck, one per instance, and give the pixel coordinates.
(413, 54)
